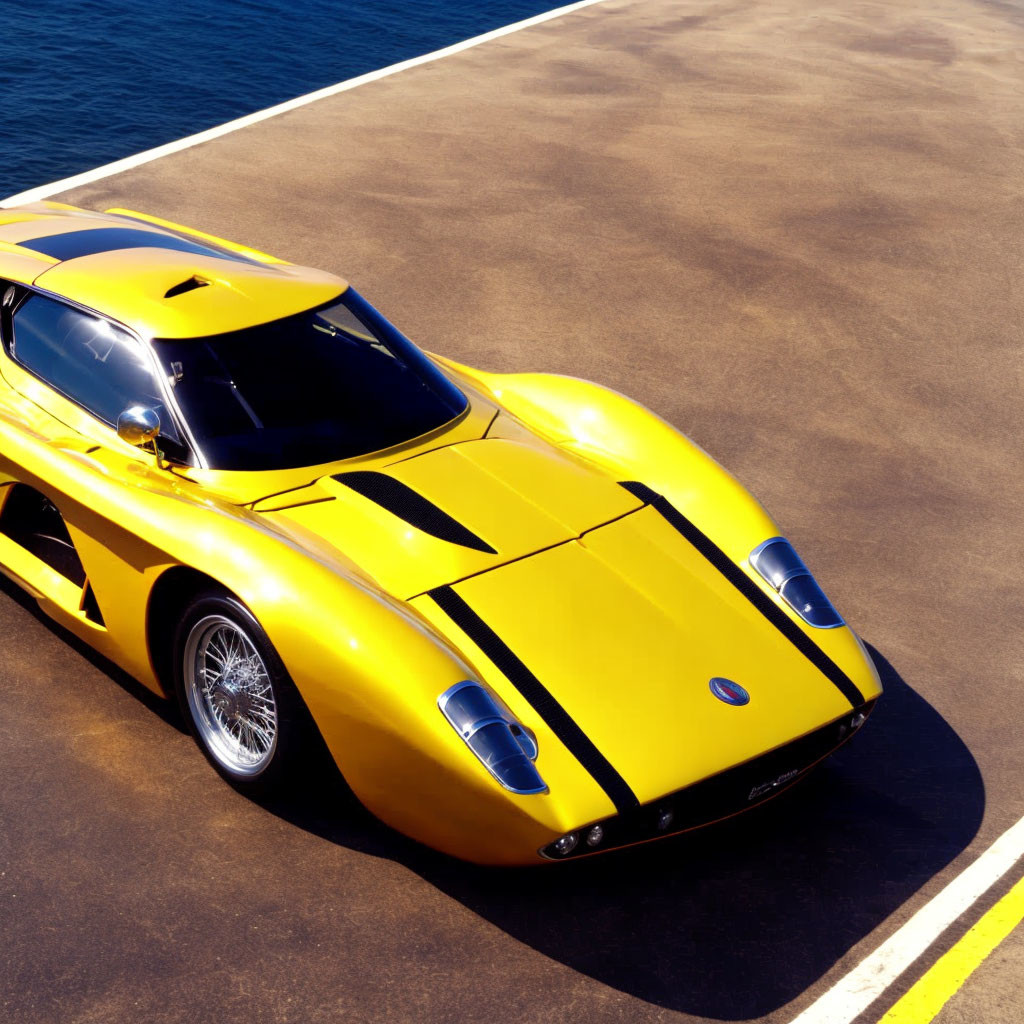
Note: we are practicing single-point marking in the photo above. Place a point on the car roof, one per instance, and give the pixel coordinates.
(158, 278)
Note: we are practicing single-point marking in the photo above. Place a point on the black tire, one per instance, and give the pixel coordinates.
(285, 755)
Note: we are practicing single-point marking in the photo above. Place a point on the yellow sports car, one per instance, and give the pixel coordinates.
(529, 619)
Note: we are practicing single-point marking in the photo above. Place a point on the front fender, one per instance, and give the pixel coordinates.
(630, 442)
(369, 668)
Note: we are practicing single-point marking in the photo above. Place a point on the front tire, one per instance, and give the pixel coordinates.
(240, 705)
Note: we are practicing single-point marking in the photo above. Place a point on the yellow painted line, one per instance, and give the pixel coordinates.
(853, 993)
(947, 976)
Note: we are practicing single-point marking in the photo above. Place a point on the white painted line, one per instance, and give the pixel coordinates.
(854, 993)
(86, 177)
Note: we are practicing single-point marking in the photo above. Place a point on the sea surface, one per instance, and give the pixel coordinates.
(84, 82)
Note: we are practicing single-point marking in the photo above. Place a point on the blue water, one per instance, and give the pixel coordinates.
(84, 82)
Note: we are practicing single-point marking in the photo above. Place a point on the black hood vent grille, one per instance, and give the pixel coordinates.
(413, 508)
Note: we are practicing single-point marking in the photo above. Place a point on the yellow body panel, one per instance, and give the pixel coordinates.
(630, 658)
(609, 430)
(21, 266)
(239, 294)
(620, 617)
(36, 576)
(488, 486)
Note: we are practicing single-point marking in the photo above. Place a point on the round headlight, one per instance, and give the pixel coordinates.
(567, 843)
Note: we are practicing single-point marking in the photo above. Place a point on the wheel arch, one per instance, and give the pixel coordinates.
(171, 594)
(172, 591)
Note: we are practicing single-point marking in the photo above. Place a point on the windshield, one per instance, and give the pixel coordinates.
(328, 384)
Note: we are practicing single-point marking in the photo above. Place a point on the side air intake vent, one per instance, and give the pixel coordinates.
(90, 606)
(404, 502)
(32, 520)
(195, 281)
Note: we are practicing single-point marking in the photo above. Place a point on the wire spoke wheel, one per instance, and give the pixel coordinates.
(230, 696)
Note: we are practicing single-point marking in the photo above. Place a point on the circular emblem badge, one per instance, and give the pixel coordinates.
(729, 692)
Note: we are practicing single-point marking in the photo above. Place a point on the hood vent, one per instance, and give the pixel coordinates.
(413, 508)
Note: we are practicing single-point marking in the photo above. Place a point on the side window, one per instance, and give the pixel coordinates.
(88, 359)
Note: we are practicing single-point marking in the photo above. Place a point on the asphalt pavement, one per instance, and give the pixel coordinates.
(795, 230)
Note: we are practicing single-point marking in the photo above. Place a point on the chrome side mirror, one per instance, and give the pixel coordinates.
(138, 425)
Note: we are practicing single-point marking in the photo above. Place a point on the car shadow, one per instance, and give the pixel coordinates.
(730, 922)
(734, 921)
(162, 708)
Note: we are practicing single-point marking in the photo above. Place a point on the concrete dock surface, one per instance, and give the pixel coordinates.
(793, 229)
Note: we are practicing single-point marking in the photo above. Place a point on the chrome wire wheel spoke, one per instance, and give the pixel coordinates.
(230, 695)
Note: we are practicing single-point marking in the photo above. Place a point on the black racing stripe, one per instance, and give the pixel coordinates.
(749, 589)
(404, 502)
(87, 242)
(540, 698)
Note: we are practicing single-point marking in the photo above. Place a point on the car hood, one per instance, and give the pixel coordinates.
(620, 620)
(450, 513)
(624, 629)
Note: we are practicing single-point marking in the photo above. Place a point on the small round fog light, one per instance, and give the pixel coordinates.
(567, 843)
(665, 817)
(595, 835)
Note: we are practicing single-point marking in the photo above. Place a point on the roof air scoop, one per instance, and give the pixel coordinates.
(195, 281)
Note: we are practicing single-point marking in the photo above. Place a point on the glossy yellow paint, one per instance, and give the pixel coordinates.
(611, 431)
(490, 487)
(239, 294)
(614, 610)
(20, 265)
(40, 214)
(19, 216)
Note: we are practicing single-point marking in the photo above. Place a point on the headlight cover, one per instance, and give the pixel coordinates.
(502, 745)
(781, 567)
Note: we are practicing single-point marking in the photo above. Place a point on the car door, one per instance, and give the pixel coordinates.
(73, 372)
